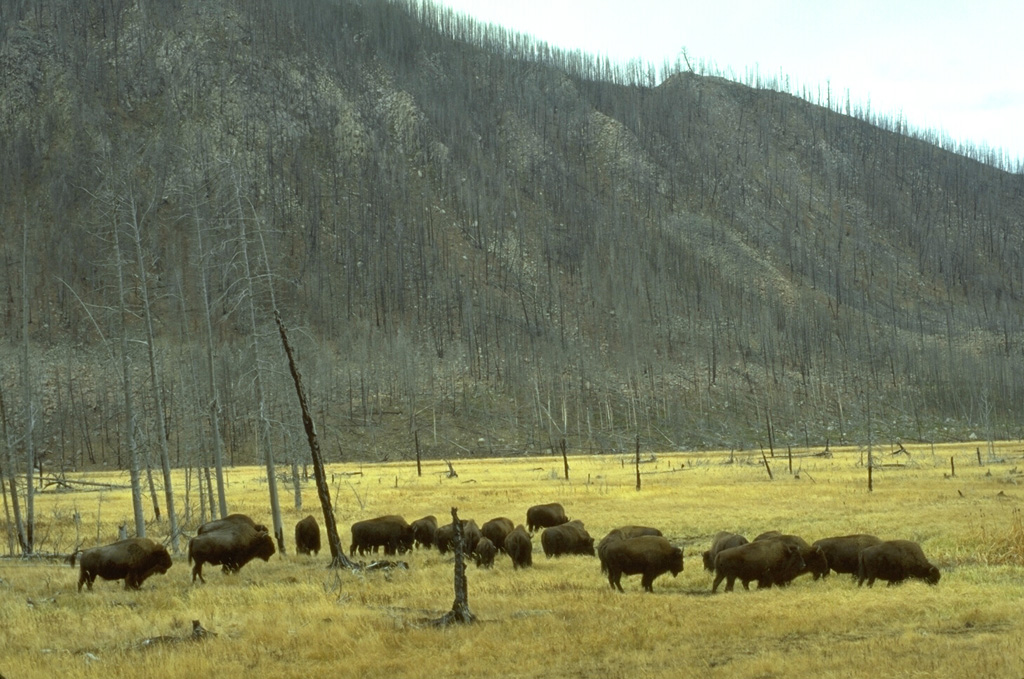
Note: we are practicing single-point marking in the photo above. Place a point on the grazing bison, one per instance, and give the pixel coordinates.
(132, 560)
(621, 533)
(842, 552)
(815, 561)
(307, 536)
(767, 561)
(496, 530)
(895, 561)
(229, 546)
(519, 547)
(445, 537)
(424, 530)
(484, 553)
(545, 516)
(391, 532)
(649, 555)
(567, 538)
(722, 540)
(229, 521)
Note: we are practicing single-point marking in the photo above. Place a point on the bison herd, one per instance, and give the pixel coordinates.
(774, 558)
(770, 559)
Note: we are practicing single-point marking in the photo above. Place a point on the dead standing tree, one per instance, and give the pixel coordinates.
(338, 558)
(460, 608)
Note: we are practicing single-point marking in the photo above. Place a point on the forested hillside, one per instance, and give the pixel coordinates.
(478, 244)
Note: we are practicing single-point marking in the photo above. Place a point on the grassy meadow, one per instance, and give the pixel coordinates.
(292, 617)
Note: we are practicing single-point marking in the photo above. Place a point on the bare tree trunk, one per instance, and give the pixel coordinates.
(155, 384)
(460, 607)
(338, 558)
(129, 413)
(218, 453)
(13, 475)
(263, 432)
(7, 515)
(26, 390)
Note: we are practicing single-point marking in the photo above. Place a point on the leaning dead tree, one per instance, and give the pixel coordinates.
(460, 608)
(338, 558)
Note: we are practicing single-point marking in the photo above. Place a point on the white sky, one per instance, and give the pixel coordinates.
(950, 66)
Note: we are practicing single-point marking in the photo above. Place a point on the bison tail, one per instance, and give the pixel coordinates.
(73, 556)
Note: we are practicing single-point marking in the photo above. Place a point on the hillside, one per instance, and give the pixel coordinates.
(479, 243)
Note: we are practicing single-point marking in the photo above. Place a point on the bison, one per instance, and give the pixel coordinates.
(307, 536)
(621, 533)
(519, 547)
(567, 538)
(842, 552)
(815, 561)
(229, 546)
(424, 530)
(649, 555)
(495, 530)
(132, 560)
(545, 516)
(229, 521)
(767, 561)
(391, 532)
(722, 540)
(894, 561)
(484, 553)
(445, 538)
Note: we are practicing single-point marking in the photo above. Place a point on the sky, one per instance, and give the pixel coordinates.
(956, 68)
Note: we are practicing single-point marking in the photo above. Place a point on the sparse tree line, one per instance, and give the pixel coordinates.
(490, 250)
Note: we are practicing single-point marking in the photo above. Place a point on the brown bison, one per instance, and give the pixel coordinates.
(767, 561)
(391, 532)
(567, 538)
(545, 516)
(621, 533)
(519, 547)
(424, 530)
(495, 530)
(132, 560)
(894, 561)
(229, 546)
(722, 540)
(815, 561)
(445, 538)
(842, 552)
(229, 521)
(307, 536)
(484, 553)
(649, 555)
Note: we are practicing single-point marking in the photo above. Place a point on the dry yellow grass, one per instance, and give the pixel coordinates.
(291, 617)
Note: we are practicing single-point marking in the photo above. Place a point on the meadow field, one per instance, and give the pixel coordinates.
(293, 617)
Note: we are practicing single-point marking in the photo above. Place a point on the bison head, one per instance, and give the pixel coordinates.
(264, 546)
(162, 561)
(932, 576)
(675, 561)
(709, 561)
(816, 562)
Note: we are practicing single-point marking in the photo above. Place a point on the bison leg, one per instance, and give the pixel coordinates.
(718, 580)
(615, 579)
(648, 582)
(85, 578)
(197, 571)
